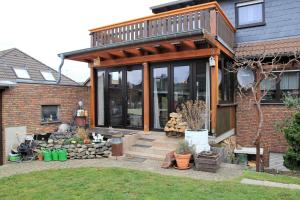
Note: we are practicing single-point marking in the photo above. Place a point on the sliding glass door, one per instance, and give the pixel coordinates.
(134, 118)
(174, 83)
(160, 97)
(115, 94)
(120, 97)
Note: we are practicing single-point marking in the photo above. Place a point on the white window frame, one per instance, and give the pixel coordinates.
(46, 75)
(249, 3)
(22, 73)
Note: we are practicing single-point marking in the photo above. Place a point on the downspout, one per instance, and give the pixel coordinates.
(62, 57)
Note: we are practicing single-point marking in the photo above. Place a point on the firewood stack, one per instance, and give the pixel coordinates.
(175, 126)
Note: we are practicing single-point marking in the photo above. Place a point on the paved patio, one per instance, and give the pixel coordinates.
(226, 172)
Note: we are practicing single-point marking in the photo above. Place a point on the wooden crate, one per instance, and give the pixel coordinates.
(208, 163)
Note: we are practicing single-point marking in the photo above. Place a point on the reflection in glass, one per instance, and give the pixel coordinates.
(160, 97)
(135, 99)
(115, 98)
(100, 97)
(181, 85)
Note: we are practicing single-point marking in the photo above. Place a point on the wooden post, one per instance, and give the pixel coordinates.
(146, 97)
(92, 95)
(214, 94)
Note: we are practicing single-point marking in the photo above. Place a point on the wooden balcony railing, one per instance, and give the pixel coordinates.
(177, 21)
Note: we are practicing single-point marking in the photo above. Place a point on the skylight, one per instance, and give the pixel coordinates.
(48, 76)
(22, 73)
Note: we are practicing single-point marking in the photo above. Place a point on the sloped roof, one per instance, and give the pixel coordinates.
(281, 46)
(14, 58)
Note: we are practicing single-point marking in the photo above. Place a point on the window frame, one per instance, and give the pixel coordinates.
(278, 91)
(24, 70)
(58, 114)
(48, 72)
(237, 24)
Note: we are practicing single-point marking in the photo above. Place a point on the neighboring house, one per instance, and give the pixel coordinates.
(31, 101)
(142, 69)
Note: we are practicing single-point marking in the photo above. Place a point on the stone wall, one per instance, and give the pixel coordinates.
(79, 151)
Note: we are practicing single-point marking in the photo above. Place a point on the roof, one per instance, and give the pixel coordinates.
(176, 5)
(281, 46)
(14, 58)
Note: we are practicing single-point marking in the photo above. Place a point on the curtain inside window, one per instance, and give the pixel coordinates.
(268, 84)
(250, 14)
(100, 98)
(289, 81)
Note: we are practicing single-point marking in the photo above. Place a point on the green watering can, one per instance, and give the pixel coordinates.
(47, 155)
(54, 154)
(62, 155)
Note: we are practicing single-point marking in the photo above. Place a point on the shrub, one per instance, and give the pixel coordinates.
(292, 135)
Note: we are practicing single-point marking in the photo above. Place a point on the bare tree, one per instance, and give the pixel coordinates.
(265, 68)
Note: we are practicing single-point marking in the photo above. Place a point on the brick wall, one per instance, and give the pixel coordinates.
(21, 105)
(247, 121)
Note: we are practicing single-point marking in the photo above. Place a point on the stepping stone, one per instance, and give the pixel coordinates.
(135, 159)
(142, 145)
(270, 184)
(147, 139)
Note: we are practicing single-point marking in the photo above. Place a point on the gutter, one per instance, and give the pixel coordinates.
(62, 57)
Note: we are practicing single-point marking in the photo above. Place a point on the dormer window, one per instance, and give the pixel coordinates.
(250, 13)
(22, 73)
(48, 76)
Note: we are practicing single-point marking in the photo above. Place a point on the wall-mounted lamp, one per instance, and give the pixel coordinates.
(212, 61)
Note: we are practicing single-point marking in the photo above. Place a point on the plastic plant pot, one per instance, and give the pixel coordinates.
(47, 155)
(54, 154)
(62, 155)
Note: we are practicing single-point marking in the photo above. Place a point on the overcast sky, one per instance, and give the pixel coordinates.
(45, 28)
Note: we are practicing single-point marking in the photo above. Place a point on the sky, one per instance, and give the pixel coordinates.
(45, 28)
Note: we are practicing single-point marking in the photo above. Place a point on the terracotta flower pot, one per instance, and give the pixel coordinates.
(40, 157)
(182, 160)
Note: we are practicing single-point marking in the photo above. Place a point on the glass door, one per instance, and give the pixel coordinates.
(181, 85)
(160, 97)
(134, 115)
(115, 100)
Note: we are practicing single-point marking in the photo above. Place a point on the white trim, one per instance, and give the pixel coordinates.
(248, 3)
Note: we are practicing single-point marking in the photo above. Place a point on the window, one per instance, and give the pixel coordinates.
(48, 76)
(250, 13)
(226, 81)
(22, 73)
(288, 85)
(50, 113)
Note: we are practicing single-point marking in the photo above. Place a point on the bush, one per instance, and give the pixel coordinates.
(292, 135)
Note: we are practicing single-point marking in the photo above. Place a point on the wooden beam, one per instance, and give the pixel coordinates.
(126, 53)
(112, 56)
(146, 97)
(177, 45)
(214, 94)
(190, 44)
(199, 53)
(92, 96)
(218, 45)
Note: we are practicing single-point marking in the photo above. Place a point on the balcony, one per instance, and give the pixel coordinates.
(205, 19)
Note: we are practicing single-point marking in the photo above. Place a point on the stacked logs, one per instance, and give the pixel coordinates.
(175, 126)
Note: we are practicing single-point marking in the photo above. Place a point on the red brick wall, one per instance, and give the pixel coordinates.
(22, 105)
(247, 121)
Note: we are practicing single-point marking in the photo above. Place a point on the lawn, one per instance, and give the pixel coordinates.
(116, 183)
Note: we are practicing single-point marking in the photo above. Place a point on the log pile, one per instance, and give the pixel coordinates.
(175, 126)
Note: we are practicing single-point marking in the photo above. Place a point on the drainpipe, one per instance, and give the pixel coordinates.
(62, 57)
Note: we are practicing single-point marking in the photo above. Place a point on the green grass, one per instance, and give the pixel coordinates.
(270, 177)
(119, 184)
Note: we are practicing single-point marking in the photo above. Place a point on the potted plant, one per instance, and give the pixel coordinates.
(183, 155)
(40, 155)
(195, 114)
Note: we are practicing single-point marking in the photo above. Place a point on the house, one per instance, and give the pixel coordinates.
(31, 101)
(143, 69)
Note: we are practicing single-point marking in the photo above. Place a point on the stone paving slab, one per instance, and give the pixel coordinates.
(270, 184)
(226, 172)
